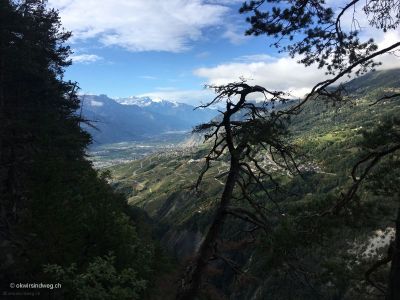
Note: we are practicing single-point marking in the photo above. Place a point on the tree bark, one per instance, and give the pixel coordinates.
(192, 283)
(394, 276)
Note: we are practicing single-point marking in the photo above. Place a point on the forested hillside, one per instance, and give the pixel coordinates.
(60, 222)
(317, 256)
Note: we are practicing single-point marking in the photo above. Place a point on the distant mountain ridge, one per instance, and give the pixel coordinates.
(146, 101)
(138, 118)
(373, 81)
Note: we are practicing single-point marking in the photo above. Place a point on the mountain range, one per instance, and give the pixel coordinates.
(143, 118)
(138, 118)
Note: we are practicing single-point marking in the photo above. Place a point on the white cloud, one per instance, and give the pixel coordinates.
(235, 35)
(138, 25)
(85, 58)
(390, 60)
(278, 74)
(225, 1)
(284, 73)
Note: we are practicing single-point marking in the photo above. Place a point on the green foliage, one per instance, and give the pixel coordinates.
(101, 280)
(313, 29)
(55, 208)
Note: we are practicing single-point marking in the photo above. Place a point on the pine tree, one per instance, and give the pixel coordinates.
(312, 32)
(57, 213)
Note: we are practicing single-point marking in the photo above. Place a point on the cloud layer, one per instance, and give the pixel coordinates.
(138, 25)
(85, 58)
(284, 73)
(280, 74)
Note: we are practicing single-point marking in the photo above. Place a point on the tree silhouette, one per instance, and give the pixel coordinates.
(55, 209)
(244, 130)
(312, 31)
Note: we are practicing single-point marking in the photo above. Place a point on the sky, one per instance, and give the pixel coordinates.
(171, 48)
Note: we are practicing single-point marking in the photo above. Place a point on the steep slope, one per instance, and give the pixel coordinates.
(162, 185)
(374, 81)
(60, 220)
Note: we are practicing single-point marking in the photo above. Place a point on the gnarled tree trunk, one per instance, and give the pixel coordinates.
(192, 281)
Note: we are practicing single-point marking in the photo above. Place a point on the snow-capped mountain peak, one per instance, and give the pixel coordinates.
(136, 118)
(133, 100)
(144, 101)
(157, 99)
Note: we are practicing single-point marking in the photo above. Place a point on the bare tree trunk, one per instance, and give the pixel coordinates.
(394, 276)
(192, 282)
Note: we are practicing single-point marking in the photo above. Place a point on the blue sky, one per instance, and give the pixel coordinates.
(171, 48)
